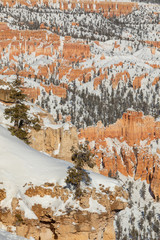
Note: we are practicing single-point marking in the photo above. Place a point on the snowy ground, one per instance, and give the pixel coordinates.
(141, 219)
(9, 236)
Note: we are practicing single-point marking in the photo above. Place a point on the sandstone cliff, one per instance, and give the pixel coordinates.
(57, 141)
(132, 128)
(71, 223)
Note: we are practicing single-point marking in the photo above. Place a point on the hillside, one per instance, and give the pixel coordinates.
(67, 63)
(91, 71)
(35, 200)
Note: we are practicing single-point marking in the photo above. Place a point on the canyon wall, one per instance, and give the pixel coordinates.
(129, 146)
(56, 142)
(70, 224)
(132, 128)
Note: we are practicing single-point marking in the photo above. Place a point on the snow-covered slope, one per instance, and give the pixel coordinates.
(20, 165)
(25, 164)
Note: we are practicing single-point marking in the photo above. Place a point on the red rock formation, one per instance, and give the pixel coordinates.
(3, 26)
(98, 80)
(32, 93)
(137, 81)
(75, 74)
(74, 51)
(127, 155)
(119, 147)
(155, 81)
(49, 225)
(153, 65)
(122, 76)
(153, 43)
(56, 90)
(132, 128)
(107, 8)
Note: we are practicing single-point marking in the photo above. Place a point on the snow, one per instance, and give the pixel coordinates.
(146, 54)
(3, 121)
(66, 126)
(47, 124)
(95, 205)
(131, 110)
(56, 152)
(22, 166)
(4, 235)
(134, 55)
(4, 87)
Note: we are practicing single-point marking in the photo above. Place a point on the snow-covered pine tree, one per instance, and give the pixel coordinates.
(18, 112)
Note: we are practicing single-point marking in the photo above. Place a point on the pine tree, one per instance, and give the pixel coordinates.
(143, 191)
(81, 157)
(18, 113)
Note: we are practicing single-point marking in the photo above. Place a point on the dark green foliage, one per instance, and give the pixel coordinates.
(35, 123)
(81, 157)
(134, 233)
(20, 133)
(87, 108)
(130, 189)
(156, 227)
(125, 237)
(143, 191)
(18, 113)
(119, 228)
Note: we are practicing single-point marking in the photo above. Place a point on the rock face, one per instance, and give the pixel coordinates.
(5, 96)
(71, 224)
(56, 141)
(5, 92)
(132, 128)
(129, 146)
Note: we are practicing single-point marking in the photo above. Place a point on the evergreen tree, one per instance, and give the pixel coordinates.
(143, 191)
(18, 113)
(81, 157)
